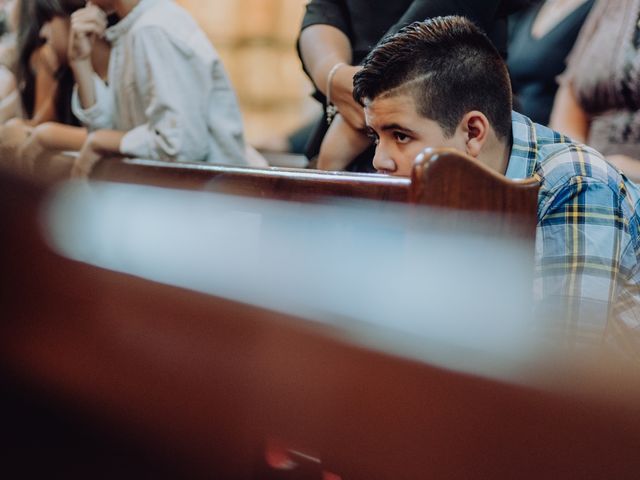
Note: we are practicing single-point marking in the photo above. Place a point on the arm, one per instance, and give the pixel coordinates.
(568, 117)
(92, 101)
(57, 136)
(87, 24)
(176, 129)
(50, 137)
(46, 85)
(322, 47)
(341, 145)
(579, 244)
(98, 145)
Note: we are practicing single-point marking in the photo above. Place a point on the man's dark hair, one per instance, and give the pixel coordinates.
(449, 67)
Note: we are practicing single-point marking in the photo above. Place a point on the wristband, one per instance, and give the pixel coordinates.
(330, 109)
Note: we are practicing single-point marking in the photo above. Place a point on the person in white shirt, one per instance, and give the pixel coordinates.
(168, 96)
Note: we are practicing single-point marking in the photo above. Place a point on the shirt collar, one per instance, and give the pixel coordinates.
(524, 149)
(113, 34)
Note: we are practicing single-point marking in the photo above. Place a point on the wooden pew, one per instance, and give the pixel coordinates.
(274, 183)
(441, 178)
(198, 384)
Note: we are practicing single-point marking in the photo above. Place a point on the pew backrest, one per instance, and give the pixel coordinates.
(449, 179)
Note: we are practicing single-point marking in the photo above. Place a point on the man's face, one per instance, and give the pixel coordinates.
(107, 6)
(401, 133)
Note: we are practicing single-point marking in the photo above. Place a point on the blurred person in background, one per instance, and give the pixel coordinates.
(441, 83)
(9, 99)
(46, 85)
(167, 97)
(337, 34)
(599, 98)
(540, 38)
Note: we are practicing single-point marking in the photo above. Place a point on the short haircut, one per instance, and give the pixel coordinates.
(449, 67)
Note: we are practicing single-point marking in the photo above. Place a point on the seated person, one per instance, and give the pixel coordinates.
(598, 101)
(167, 97)
(43, 123)
(337, 34)
(540, 38)
(442, 83)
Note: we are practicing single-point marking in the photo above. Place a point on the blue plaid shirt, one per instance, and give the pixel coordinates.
(588, 240)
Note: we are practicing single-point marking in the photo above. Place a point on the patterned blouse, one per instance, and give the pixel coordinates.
(604, 71)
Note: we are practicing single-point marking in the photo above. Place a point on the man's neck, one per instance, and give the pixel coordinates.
(124, 7)
(497, 155)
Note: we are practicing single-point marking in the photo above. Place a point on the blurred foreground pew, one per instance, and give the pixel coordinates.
(156, 381)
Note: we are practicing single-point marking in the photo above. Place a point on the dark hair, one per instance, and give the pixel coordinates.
(45, 10)
(27, 41)
(449, 67)
(33, 15)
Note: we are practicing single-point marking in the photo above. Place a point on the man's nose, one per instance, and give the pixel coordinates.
(383, 162)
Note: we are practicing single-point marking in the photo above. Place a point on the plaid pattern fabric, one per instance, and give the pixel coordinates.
(587, 244)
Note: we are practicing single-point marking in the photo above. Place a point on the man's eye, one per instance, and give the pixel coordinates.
(401, 137)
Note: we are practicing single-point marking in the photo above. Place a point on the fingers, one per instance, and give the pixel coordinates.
(79, 171)
(89, 20)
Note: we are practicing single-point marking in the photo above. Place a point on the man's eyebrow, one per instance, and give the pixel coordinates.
(395, 126)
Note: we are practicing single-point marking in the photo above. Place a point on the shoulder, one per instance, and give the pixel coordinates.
(561, 162)
(165, 19)
(170, 24)
(572, 168)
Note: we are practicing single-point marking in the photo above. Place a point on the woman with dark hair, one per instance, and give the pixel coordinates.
(46, 81)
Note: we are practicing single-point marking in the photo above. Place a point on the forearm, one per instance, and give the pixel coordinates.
(341, 145)
(84, 75)
(568, 117)
(322, 47)
(98, 145)
(56, 136)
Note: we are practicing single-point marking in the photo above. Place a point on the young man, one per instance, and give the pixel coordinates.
(335, 37)
(442, 83)
(167, 97)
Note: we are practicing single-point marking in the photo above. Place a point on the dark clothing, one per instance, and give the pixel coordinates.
(366, 22)
(534, 63)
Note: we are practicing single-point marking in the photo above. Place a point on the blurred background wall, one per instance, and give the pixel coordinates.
(257, 42)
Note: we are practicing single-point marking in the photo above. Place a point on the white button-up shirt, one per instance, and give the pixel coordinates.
(167, 89)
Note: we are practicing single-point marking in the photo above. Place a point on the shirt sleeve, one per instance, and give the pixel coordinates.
(328, 12)
(100, 114)
(579, 244)
(175, 105)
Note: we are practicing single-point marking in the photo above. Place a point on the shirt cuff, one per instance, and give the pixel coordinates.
(92, 116)
(136, 143)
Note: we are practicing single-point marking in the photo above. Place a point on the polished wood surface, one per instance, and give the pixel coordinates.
(441, 178)
(449, 179)
(204, 382)
(274, 183)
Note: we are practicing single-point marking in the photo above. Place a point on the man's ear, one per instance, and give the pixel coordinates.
(475, 127)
